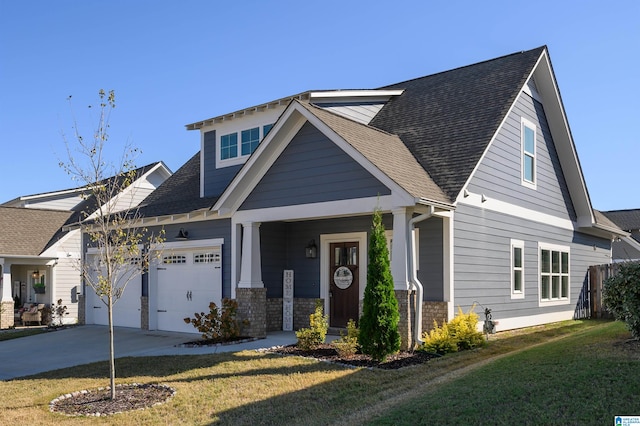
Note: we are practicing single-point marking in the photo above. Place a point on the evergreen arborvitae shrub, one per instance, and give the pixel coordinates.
(379, 336)
(621, 296)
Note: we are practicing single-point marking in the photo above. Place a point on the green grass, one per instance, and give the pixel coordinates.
(586, 378)
(16, 333)
(573, 372)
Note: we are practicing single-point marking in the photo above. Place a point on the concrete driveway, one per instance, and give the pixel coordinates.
(90, 343)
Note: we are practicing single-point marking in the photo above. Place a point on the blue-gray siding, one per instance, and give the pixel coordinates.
(482, 260)
(215, 180)
(499, 174)
(312, 169)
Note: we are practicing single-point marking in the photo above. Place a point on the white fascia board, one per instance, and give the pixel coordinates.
(562, 138)
(341, 208)
(354, 94)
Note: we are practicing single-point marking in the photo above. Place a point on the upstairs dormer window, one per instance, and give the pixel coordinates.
(232, 151)
(229, 146)
(250, 140)
(528, 153)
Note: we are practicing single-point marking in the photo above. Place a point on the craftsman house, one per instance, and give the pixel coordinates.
(474, 169)
(40, 247)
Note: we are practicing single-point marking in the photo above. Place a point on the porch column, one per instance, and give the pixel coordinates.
(399, 249)
(251, 265)
(448, 271)
(6, 281)
(6, 317)
(251, 294)
(400, 272)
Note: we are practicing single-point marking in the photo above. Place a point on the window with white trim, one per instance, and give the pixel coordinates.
(265, 129)
(250, 140)
(517, 269)
(228, 146)
(174, 259)
(528, 135)
(554, 274)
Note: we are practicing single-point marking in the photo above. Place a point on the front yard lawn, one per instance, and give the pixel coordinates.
(581, 372)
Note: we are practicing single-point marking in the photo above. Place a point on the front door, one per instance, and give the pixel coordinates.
(344, 289)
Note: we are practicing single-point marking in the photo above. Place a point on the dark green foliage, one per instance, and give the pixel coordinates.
(314, 336)
(379, 334)
(621, 296)
(218, 324)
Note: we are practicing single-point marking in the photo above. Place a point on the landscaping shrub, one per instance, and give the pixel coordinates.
(347, 345)
(439, 340)
(621, 296)
(461, 333)
(379, 334)
(218, 324)
(315, 334)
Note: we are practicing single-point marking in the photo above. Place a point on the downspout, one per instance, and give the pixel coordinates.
(413, 276)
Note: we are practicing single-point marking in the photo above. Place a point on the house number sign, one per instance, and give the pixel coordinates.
(287, 300)
(342, 277)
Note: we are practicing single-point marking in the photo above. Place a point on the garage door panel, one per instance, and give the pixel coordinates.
(187, 282)
(126, 310)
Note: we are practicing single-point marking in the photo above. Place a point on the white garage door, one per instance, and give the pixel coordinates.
(188, 280)
(126, 311)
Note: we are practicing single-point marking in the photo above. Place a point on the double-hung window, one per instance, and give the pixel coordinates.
(517, 269)
(554, 274)
(528, 153)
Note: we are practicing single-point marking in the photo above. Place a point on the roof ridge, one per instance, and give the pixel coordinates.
(543, 47)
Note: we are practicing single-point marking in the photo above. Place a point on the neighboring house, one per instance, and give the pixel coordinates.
(626, 248)
(474, 169)
(38, 242)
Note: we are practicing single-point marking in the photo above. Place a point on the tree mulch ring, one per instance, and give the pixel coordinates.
(326, 352)
(99, 403)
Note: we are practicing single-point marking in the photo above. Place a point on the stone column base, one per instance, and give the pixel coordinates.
(6, 318)
(144, 312)
(405, 303)
(252, 306)
(82, 309)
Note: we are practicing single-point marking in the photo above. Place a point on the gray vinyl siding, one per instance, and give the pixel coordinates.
(482, 254)
(499, 174)
(215, 180)
(362, 112)
(312, 169)
(430, 271)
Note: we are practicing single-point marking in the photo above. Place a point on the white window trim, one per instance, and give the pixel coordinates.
(240, 159)
(527, 123)
(552, 302)
(517, 294)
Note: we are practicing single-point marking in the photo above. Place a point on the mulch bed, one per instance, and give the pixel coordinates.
(216, 342)
(99, 403)
(326, 352)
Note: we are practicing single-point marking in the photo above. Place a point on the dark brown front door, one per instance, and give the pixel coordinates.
(344, 288)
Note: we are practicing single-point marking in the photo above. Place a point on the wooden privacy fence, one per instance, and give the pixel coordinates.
(597, 275)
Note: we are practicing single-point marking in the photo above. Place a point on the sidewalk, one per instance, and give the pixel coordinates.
(90, 343)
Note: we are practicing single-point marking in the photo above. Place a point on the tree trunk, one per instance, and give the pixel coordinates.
(112, 365)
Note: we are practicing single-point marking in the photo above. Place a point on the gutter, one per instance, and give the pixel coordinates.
(413, 275)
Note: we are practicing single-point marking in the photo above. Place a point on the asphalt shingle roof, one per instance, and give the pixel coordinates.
(180, 193)
(448, 119)
(27, 232)
(628, 220)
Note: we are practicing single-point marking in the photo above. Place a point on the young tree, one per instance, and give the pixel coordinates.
(110, 220)
(379, 334)
(621, 296)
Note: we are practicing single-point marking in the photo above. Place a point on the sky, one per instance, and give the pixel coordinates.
(172, 63)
